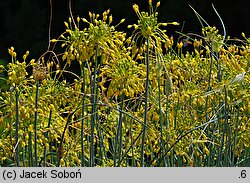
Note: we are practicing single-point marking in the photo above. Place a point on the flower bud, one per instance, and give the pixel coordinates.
(66, 24)
(136, 7)
(84, 20)
(122, 20)
(175, 23)
(158, 4)
(110, 19)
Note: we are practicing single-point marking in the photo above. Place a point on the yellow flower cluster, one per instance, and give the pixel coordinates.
(197, 103)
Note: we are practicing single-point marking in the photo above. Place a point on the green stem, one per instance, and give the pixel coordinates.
(102, 152)
(224, 128)
(31, 161)
(82, 116)
(132, 145)
(146, 105)
(35, 123)
(161, 123)
(184, 134)
(209, 85)
(11, 98)
(119, 133)
(46, 136)
(17, 128)
(235, 136)
(94, 112)
(167, 101)
(219, 74)
(60, 148)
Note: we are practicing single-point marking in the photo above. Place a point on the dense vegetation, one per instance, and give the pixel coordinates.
(136, 100)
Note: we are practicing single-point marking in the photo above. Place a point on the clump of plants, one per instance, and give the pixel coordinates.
(136, 100)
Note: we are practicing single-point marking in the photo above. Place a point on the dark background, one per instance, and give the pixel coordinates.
(24, 23)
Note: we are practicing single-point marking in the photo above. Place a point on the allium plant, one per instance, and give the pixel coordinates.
(148, 29)
(136, 100)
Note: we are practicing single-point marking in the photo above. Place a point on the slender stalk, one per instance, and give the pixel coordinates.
(219, 74)
(166, 118)
(31, 161)
(132, 145)
(120, 121)
(17, 128)
(82, 142)
(212, 147)
(82, 115)
(167, 101)
(46, 136)
(209, 85)
(11, 97)
(161, 122)
(146, 105)
(60, 147)
(119, 133)
(94, 112)
(224, 128)
(235, 137)
(183, 134)
(102, 151)
(35, 123)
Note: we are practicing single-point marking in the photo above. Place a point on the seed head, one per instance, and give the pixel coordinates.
(39, 72)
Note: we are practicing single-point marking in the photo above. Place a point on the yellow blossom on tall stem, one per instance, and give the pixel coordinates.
(148, 28)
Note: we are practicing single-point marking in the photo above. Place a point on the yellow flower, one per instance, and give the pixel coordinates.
(175, 23)
(30, 129)
(158, 4)
(136, 8)
(207, 152)
(179, 45)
